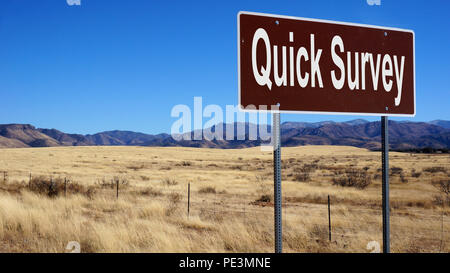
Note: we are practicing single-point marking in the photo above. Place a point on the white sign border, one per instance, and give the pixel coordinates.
(330, 22)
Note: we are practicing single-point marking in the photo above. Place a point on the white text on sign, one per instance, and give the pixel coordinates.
(352, 73)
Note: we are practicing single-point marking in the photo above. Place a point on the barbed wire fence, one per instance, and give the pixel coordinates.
(216, 204)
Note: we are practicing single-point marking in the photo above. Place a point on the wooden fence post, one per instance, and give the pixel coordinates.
(117, 188)
(189, 199)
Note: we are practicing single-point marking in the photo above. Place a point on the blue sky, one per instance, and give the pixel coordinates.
(121, 64)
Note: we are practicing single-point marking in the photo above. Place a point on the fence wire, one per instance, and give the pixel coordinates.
(248, 211)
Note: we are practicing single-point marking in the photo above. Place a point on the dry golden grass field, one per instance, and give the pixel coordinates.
(231, 200)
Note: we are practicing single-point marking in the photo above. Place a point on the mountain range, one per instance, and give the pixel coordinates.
(404, 135)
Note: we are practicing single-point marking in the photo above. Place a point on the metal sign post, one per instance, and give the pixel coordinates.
(276, 133)
(385, 182)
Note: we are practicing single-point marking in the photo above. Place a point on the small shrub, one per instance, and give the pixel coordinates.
(403, 178)
(112, 183)
(104, 183)
(435, 170)
(443, 186)
(395, 171)
(175, 197)
(207, 190)
(353, 178)
(5, 176)
(415, 174)
(46, 186)
(90, 192)
(136, 167)
(145, 178)
(319, 232)
(309, 167)
(53, 187)
(149, 191)
(303, 173)
(170, 182)
(186, 163)
(302, 177)
(236, 167)
(439, 200)
(174, 200)
(266, 198)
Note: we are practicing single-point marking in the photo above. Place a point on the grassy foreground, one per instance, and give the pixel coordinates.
(231, 200)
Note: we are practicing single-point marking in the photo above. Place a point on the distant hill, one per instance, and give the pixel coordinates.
(403, 135)
(442, 123)
(291, 125)
(67, 139)
(27, 135)
(124, 138)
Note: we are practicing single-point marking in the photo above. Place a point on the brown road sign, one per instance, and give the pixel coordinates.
(318, 66)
